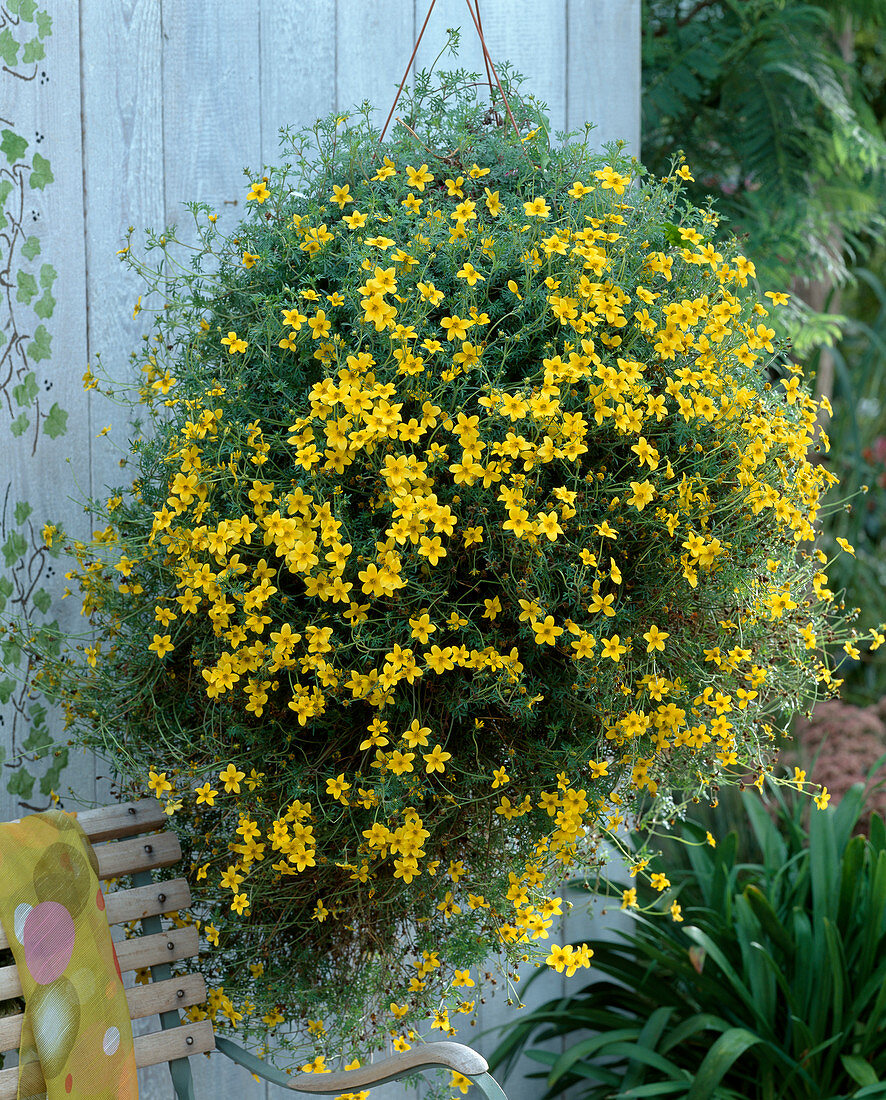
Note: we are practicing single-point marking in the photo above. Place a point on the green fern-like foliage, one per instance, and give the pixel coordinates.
(776, 120)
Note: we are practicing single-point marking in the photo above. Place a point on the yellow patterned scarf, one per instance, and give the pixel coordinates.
(77, 1037)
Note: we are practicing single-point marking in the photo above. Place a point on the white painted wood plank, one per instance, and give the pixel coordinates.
(121, 105)
(211, 108)
(44, 109)
(603, 66)
(298, 57)
(531, 36)
(373, 44)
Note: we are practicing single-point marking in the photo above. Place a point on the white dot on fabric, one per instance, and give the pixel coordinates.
(21, 915)
(111, 1041)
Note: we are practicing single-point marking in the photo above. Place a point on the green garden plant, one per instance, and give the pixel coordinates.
(466, 521)
(771, 986)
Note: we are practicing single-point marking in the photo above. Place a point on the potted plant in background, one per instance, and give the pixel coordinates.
(771, 985)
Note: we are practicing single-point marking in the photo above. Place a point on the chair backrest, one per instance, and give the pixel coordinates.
(126, 842)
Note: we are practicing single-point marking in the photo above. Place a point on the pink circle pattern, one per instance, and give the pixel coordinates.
(48, 940)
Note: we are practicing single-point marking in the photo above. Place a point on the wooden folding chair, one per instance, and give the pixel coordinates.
(127, 842)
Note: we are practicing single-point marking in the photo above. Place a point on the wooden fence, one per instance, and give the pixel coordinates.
(115, 112)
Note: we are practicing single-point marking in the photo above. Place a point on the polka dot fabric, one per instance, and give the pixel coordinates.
(77, 1038)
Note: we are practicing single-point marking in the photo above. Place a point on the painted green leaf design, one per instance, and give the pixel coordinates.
(56, 423)
(44, 24)
(40, 347)
(23, 8)
(2, 754)
(12, 654)
(48, 275)
(20, 425)
(22, 511)
(21, 783)
(7, 687)
(49, 638)
(38, 740)
(42, 173)
(13, 549)
(42, 600)
(8, 48)
(25, 392)
(27, 286)
(31, 248)
(33, 51)
(6, 591)
(49, 780)
(44, 307)
(12, 144)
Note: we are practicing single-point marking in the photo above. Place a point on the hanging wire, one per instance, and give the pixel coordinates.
(490, 63)
(487, 61)
(406, 73)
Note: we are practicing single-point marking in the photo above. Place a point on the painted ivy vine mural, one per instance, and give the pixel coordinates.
(31, 763)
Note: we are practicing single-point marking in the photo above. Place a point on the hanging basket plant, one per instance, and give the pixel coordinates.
(466, 523)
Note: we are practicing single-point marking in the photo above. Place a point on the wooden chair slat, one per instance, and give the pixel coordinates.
(143, 1000)
(142, 901)
(164, 947)
(125, 819)
(164, 1046)
(125, 857)
(150, 1050)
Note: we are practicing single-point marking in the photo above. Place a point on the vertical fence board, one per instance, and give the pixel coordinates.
(603, 63)
(121, 67)
(373, 44)
(298, 55)
(212, 118)
(44, 109)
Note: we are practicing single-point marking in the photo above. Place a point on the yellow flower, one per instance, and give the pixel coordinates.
(231, 777)
(341, 195)
(655, 638)
(258, 192)
(613, 648)
(493, 202)
(206, 794)
(822, 799)
(611, 179)
(418, 177)
(844, 545)
(234, 343)
(435, 761)
(469, 273)
(537, 208)
(400, 762)
(354, 220)
(417, 734)
(547, 632)
(338, 788)
(240, 904)
(211, 934)
(459, 1081)
(161, 645)
(493, 607)
(629, 898)
(158, 783)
